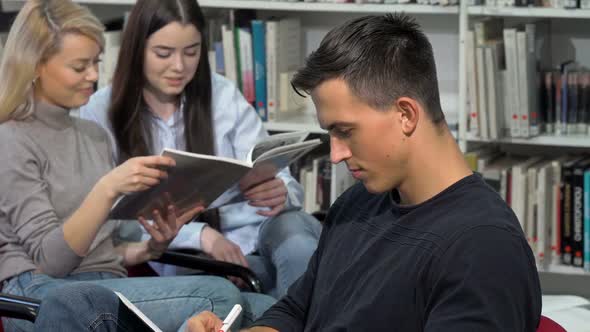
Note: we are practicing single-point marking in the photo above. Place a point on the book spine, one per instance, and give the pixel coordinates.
(472, 83)
(557, 79)
(566, 221)
(229, 54)
(482, 94)
(258, 40)
(272, 72)
(587, 220)
(512, 80)
(548, 97)
(578, 217)
(523, 84)
(572, 112)
(564, 102)
(219, 59)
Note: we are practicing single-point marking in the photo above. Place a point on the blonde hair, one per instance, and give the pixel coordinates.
(34, 37)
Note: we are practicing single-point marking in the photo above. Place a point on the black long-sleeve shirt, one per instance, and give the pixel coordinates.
(457, 262)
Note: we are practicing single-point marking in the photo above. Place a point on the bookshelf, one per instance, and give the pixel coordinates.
(569, 39)
(285, 6)
(329, 7)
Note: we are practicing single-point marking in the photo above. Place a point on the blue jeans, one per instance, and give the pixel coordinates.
(285, 245)
(167, 301)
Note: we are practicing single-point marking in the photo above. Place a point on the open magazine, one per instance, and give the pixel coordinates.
(135, 315)
(214, 181)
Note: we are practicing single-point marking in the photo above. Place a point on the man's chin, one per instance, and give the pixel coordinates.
(374, 188)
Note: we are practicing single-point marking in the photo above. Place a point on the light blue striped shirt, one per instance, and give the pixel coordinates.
(237, 128)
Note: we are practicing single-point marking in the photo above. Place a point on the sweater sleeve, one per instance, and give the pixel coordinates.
(26, 203)
(485, 281)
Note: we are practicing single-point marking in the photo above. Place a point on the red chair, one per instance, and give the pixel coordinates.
(548, 325)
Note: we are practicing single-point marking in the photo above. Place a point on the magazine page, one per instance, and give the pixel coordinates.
(275, 141)
(135, 315)
(272, 162)
(196, 179)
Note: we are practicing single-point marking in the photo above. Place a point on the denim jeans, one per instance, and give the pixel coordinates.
(285, 245)
(167, 301)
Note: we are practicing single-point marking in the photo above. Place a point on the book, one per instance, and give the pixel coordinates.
(139, 319)
(214, 181)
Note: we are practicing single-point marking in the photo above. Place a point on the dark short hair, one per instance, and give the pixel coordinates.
(381, 58)
(127, 108)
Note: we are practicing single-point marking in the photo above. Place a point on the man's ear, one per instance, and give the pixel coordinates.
(409, 111)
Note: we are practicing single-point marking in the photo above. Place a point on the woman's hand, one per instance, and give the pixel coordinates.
(165, 227)
(136, 174)
(220, 248)
(271, 193)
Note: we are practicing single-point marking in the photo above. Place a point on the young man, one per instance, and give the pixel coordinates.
(422, 243)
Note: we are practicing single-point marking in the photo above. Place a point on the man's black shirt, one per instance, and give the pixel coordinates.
(457, 262)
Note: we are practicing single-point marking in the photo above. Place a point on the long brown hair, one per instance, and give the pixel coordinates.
(127, 106)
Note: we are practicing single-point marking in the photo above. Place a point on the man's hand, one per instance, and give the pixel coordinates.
(206, 321)
(271, 193)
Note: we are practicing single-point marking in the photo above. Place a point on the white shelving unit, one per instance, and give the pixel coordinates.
(578, 141)
(529, 12)
(468, 12)
(556, 278)
(297, 121)
(287, 6)
(329, 7)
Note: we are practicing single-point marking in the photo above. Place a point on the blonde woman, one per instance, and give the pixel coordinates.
(57, 186)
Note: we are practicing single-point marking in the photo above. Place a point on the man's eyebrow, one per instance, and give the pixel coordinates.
(333, 125)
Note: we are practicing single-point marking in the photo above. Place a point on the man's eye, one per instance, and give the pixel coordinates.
(343, 133)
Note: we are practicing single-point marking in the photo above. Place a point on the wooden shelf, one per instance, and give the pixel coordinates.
(284, 6)
(529, 12)
(578, 141)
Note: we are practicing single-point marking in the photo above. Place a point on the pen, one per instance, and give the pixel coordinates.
(231, 318)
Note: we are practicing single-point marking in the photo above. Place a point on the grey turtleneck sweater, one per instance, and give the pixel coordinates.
(48, 164)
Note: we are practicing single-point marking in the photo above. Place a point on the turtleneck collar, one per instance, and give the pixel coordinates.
(54, 116)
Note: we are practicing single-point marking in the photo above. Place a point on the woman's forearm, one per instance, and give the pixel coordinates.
(81, 228)
(134, 253)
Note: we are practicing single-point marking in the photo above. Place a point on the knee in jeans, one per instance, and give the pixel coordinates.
(288, 224)
(223, 288)
(79, 298)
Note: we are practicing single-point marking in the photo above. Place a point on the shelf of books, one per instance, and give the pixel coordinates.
(329, 7)
(288, 6)
(539, 12)
(550, 198)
